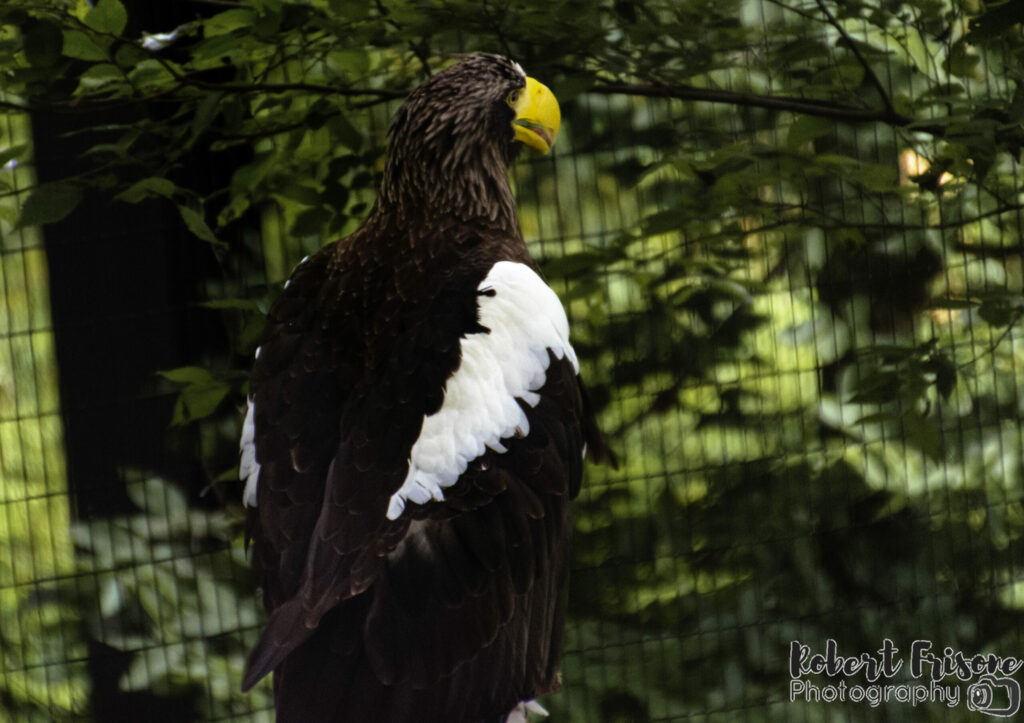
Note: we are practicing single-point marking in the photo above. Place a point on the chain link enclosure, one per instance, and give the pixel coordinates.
(788, 239)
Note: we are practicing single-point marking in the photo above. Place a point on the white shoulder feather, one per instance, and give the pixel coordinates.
(497, 370)
(248, 467)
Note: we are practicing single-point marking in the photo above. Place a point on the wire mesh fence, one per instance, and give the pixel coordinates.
(799, 324)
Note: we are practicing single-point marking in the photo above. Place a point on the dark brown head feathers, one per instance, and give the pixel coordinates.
(452, 141)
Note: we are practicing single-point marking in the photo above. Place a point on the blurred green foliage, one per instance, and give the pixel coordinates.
(789, 238)
(37, 641)
(167, 585)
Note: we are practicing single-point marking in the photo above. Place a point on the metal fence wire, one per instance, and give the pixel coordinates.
(801, 335)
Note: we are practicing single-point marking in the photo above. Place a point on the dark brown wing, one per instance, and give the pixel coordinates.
(463, 617)
(301, 378)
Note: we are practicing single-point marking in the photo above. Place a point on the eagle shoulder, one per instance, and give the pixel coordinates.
(500, 368)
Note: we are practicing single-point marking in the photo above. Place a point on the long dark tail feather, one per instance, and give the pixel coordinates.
(286, 630)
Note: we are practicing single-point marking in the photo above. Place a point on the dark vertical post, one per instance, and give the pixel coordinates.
(123, 284)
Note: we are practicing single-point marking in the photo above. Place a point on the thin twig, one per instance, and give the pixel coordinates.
(267, 132)
(860, 58)
(285, 87)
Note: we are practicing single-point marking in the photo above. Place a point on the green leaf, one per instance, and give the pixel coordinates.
(205, 113)
(217, 46)
(147, 188)
(131, 56)
(1001, 309)
(310, 222)
(319, 113)
(108, 16)
(923, 434)
(343, 131)
(228, 21)
(158, 498)
(875, 418)
(945, 374)
(14, 152)
(8, 214)
(249, 176)
(876, 387)
(80, 46)
(349, 9)
(252, 331)
(666, 221)
(630, 171)
(876, 177)
(197, 225)
(120, 148)
(238, 205)
(202, 401)
(150, 73)
(301, 194)
(188, 375)
(49, 203)
(961, 62)
(808, 128)
(354, 62)
(98, 76)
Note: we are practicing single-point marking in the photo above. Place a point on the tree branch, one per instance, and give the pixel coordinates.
(806, 106)
(285, 87)
(185, 79)
(831, 223)
(14, 107)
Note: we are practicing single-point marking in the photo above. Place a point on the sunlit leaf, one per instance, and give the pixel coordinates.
(148, 188)
(81, 46)
(197, 225)
(228, 21)
(98, 76)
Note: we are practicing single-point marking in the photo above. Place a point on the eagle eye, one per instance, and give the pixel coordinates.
(512, 97)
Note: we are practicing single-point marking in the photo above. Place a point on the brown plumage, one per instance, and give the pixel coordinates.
(452, 610)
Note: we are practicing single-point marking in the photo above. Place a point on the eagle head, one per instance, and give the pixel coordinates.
(456, 134)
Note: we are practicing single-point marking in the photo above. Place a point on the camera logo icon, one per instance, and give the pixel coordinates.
(994, 696)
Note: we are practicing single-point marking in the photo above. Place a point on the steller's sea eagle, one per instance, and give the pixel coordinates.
(415, 432)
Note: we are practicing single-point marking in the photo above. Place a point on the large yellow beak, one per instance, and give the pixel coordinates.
(537, 116)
